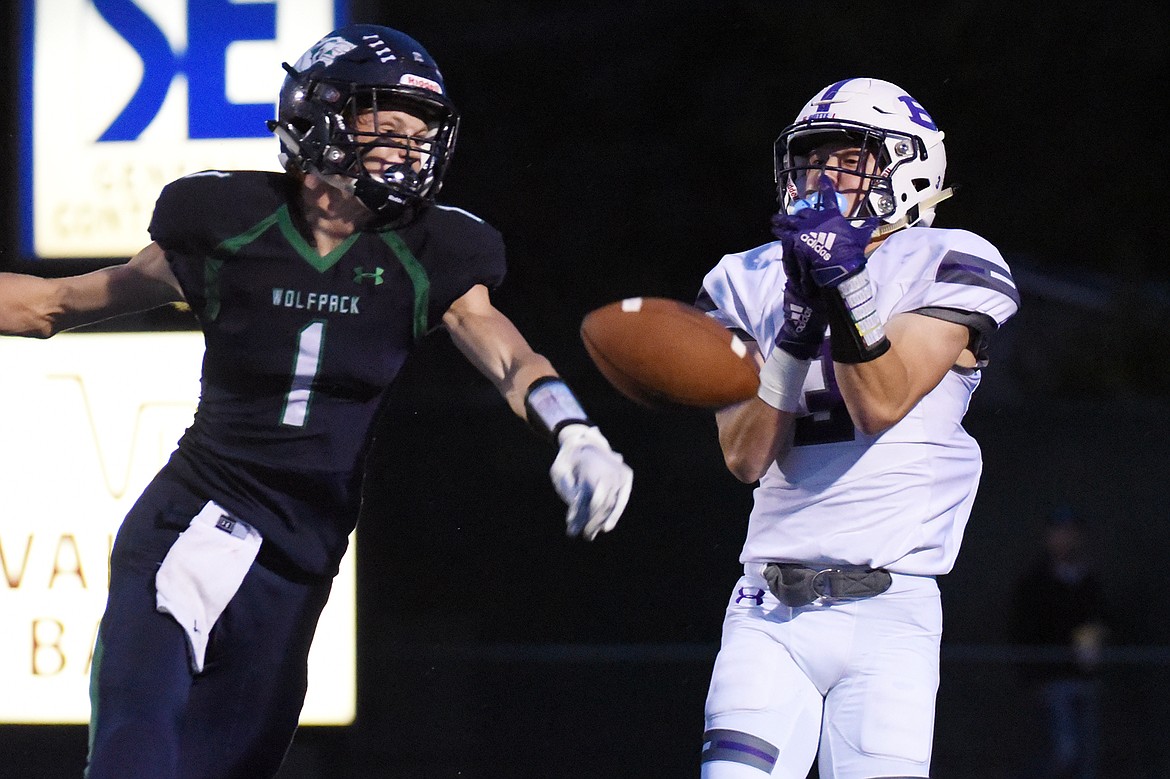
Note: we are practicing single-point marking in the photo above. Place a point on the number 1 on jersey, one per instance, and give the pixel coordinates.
(305, 367)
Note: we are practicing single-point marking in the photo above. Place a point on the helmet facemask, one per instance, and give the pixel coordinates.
(321, 134)
(882, 153)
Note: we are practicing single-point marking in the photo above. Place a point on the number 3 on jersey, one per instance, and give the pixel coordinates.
(828, 419)
(310, 342)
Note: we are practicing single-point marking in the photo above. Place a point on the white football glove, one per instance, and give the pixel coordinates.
(592, 478)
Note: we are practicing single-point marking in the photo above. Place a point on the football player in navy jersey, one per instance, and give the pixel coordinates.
(311, 287)
(873, 329)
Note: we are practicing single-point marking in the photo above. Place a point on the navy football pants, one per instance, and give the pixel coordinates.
(152, 717)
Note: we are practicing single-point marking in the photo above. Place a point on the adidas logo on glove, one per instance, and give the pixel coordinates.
(800, 316)
(820, 243)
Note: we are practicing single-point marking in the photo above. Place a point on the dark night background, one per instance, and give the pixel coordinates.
(622, 148)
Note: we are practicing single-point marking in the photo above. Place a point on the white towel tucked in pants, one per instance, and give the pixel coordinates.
(202, 572)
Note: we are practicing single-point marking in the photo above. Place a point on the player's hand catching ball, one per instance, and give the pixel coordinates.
(592, 478)
(830, 252)
(803, 329)
(828, 246)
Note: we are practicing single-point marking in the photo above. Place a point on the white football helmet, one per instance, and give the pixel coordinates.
(886, 122)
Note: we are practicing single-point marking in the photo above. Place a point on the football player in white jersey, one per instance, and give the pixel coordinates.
(872, 330)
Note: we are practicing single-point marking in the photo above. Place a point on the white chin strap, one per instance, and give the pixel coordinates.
(337, 181)
(930, 202)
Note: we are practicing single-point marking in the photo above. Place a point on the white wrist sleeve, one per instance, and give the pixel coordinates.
(782, 381)
(551, 405)
(857, 293)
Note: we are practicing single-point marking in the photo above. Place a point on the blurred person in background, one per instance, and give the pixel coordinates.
(1059, 604)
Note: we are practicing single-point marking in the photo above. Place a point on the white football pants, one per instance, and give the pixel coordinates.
(856, 681)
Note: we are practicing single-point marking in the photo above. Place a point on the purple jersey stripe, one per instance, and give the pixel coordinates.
(961, 268)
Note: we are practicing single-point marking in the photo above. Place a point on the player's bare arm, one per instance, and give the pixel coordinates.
(490, 341)
(36, 307)
(588, 475)
(753, 434)
(880, 392)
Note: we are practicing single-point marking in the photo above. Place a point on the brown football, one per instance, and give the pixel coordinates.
(662, 352)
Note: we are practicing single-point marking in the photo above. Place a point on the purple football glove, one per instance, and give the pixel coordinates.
(803, 330)
(827, 246)
(829, 254)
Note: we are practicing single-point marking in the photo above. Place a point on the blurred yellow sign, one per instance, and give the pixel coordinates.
(86, 420)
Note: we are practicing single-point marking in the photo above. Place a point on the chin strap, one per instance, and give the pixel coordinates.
(286, 139)
(335, 180)
(913, 214)
(386, 209)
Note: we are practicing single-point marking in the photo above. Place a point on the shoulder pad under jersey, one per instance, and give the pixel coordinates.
(196, 212)
(947, 269)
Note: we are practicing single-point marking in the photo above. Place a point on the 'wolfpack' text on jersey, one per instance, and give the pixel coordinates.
(301, 347)
(901, 499)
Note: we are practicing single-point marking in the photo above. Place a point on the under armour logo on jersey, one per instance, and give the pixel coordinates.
(748, 593)
(359, 275)
(821, 243)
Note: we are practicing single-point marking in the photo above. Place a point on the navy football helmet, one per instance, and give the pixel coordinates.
(363, 68)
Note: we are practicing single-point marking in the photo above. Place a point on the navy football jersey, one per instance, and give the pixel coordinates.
(301, 348)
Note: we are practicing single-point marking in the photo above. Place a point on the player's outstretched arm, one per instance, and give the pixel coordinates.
(588, 475)
(490, 341)
(36, 307)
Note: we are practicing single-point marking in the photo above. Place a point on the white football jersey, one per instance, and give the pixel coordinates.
(899, 500)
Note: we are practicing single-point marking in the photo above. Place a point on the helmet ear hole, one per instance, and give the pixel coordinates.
(919, 185)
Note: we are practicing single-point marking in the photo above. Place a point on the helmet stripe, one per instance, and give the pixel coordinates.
(830, 93)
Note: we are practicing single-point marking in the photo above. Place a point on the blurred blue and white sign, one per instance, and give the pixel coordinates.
(127, 95)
